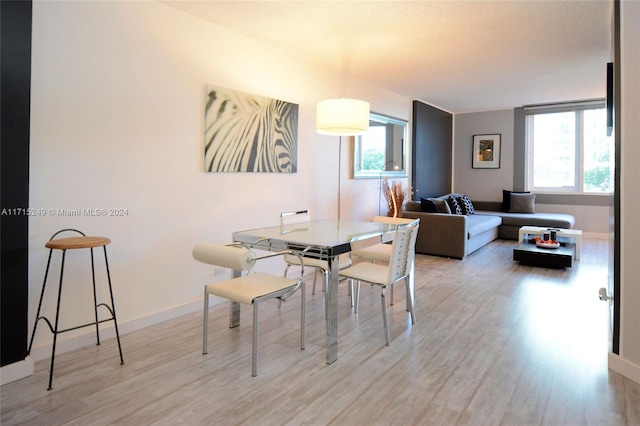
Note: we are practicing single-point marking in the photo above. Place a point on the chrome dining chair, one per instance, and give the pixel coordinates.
(399, 268)
(322, 266)
(381, 252)
(249, 289)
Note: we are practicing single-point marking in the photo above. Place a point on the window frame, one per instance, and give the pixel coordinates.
(578, 109)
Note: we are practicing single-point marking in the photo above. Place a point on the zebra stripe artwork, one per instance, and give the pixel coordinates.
(249, 133)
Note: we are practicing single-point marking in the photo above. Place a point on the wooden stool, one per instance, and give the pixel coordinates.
(73, 243)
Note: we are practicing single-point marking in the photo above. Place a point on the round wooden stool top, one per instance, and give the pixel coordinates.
(71, 243)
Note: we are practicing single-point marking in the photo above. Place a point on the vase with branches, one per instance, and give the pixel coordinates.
(394, 194)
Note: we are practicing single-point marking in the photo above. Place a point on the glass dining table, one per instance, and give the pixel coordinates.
(322, 239)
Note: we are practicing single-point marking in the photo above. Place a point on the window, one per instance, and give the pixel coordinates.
(380, 151)
(372, 149)
(568, 150)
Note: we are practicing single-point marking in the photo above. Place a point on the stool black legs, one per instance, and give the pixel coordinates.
(38, 317)
(75, 243)
(95, 297)
(55, 330)
(112, 309)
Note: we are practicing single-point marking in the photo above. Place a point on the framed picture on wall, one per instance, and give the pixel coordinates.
(486, 152)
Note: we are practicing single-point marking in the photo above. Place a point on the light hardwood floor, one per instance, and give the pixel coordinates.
(495, 343)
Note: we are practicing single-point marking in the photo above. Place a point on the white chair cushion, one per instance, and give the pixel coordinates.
(370, 272)
(378, 252)
(381, 252)
(232, 257)
(245, 289)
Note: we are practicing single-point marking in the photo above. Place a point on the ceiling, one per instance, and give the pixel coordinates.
(461, 56)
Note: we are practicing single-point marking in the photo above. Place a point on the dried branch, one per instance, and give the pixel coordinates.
(394, 194)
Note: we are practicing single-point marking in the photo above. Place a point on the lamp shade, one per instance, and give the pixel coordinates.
(342, 116)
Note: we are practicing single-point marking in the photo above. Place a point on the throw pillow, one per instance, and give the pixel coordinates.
(412, 206)
(466, 205)
(522, 203)
(454, 205)
(429, 206)
(506, 198)
(442, 204)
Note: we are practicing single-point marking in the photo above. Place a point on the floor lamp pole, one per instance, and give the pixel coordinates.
(339, 172)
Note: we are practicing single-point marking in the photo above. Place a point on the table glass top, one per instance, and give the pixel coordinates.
(336, 236)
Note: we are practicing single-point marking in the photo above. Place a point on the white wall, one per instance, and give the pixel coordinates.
(482, 184)
(487, 184)
(118, 92)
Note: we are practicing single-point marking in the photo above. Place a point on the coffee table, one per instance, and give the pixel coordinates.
(554, 258)
(571, 235)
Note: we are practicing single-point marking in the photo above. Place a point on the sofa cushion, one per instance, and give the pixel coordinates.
(495, 206)
(429, 206)
(466, 204)
(522, 203)
(416, 206)
(506, 198)
(552, 220)
(442, 204)
(463, 200)
(454, 205)
(477, 224)
(412, 206)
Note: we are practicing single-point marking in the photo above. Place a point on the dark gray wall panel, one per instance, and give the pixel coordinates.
(15, 76)
(432, 133)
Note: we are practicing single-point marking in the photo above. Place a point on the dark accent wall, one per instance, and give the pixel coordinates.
(432, 133)
(15, 84)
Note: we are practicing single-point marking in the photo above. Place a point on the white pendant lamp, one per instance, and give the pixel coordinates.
(342, 117)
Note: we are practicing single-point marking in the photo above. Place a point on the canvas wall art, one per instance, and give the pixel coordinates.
(249, 133)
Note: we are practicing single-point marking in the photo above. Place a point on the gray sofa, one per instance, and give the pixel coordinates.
(457, 236)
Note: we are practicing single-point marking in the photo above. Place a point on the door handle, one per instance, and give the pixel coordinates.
(602, 294)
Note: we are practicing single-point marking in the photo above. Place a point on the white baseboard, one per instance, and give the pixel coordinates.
(16, 371)
(624, 367)
(88, 338)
